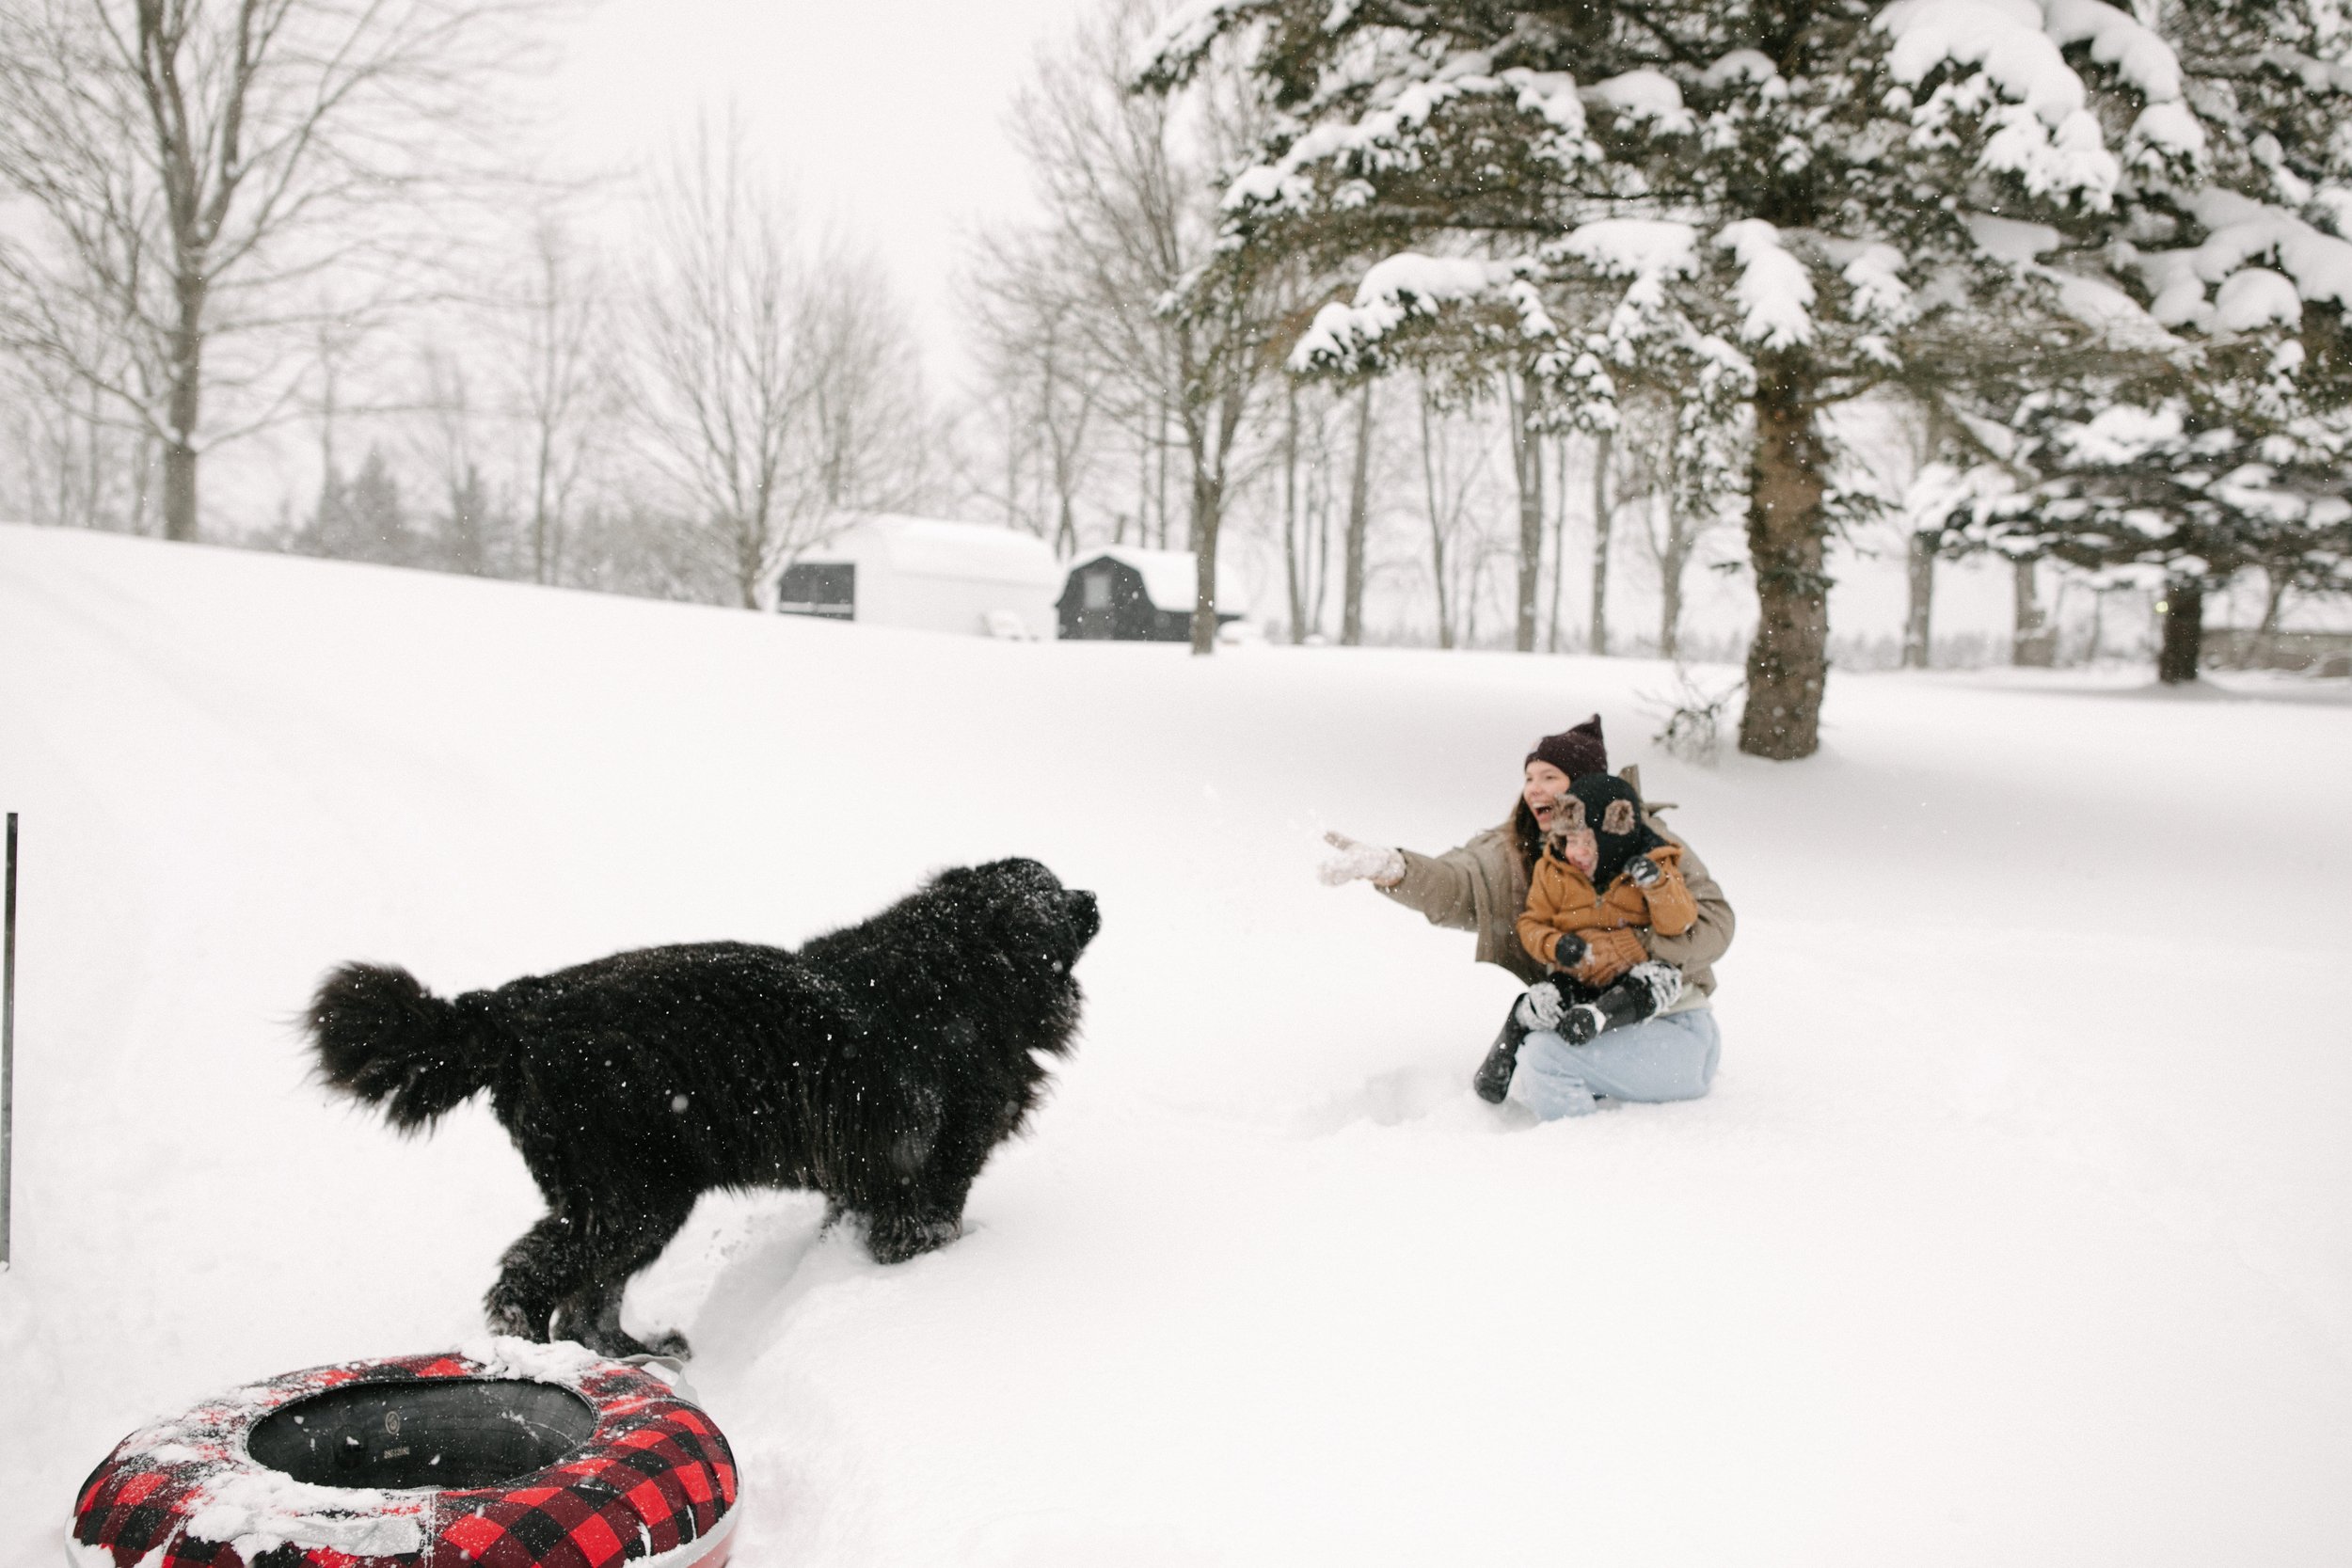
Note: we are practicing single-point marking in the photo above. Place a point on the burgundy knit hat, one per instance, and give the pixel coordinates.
(1575, 752)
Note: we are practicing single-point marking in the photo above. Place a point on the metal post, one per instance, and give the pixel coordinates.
(8, 1042)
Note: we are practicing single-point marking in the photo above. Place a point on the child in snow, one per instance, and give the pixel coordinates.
(1604, 873)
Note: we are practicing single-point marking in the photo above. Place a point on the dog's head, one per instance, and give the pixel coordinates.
(1018, 907)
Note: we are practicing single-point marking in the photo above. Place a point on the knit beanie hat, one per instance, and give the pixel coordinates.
(1611, 808)
(1575, 752)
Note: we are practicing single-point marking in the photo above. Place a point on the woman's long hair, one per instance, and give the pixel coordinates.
(1526, 837)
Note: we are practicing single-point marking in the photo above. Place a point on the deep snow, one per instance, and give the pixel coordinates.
(2016, 1231)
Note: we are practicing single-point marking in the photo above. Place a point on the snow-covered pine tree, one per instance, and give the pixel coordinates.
(2186, 477)
(1779, 203)
(2226, 449)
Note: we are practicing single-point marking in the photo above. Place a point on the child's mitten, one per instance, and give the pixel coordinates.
(1540, 1008)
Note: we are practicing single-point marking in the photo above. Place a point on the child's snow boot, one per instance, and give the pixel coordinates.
(1643, 991)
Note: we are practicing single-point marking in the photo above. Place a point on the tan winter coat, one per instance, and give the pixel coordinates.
(1563, 899)
(1481, 887)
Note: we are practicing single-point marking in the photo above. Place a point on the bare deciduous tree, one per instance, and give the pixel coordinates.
(1355, 568)
(451, 449)
(1604, 519)
(1125, 181)
(871, 434)
(772, 385)
(66, 462)
(1524, 397)
(1659, 445)
(1454, 560)
(563, 388)
(1310, 475)
(193, 164)
(724, 376)
(1045, 385)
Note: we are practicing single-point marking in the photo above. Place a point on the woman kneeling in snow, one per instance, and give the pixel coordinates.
(1483, 887)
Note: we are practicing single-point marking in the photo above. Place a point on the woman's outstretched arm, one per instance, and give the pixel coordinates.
(1447, 888)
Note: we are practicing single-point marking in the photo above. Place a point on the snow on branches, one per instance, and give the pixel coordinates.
(2171, 489)
(2047, 134)
(2241, 233)
(1346, 337)
(1775, 292)
(1396, 136)
(1760, 211)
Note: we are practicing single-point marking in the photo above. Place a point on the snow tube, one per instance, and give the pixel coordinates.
(506, 1454)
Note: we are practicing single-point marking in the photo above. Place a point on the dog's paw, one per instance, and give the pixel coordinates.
(893, 1240)
(618, 1344)
(509, 1319)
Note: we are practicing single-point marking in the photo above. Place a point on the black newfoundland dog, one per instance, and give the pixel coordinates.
(879, 1065)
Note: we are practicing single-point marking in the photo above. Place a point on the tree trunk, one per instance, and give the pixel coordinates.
(94, 475)
(2266, 645)
(1319, 508)
(1599, 633)
(1292, 577)
(1207, 500)
(1358, 520)
(1528, 468)
(180, 409)
(2183, 612)
(748, 557)
(179, 489)
(1920, 562)
(1208, 507)
(1159, 444)
(1437, 522)
(142, 482)
(542, 542)
(1787, 663)
(2034, 644)
(1559, 542)
(1672, 562)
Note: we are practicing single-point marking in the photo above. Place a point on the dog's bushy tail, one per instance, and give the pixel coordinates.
(384, 1039)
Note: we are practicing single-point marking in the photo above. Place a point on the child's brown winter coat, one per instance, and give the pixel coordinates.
(1561, 898)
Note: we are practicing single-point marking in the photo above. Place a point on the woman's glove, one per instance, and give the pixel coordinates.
(1351, 861)
(1541, 1007)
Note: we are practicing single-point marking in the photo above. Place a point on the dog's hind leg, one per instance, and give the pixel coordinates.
(616, 1247)
(541, 1269)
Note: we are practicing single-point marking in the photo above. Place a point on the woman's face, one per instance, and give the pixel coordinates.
(1542, 791)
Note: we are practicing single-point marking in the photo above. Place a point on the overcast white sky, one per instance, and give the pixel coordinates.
(884, 116)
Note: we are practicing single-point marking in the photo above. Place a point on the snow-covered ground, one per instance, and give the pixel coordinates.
(2018, 1229)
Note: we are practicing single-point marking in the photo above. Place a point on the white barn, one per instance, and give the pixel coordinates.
(888, 570)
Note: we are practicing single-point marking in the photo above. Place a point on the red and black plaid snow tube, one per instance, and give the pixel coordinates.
(650, 1484)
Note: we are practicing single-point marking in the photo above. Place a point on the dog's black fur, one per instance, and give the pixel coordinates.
(879, 1065)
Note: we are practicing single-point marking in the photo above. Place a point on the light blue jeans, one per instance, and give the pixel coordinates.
(1670, 1057)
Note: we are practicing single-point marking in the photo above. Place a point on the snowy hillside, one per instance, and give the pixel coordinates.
(2016, 1230)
